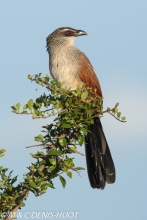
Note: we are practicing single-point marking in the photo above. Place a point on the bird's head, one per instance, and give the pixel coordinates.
(63, 36)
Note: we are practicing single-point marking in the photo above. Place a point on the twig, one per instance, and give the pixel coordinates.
(108, 110)
(39, 145)
(59, 112)
(116, 117)
(23, 113)
(36, 145)
(75, 151)
(38, 117)
(76, 171)
(53, 147)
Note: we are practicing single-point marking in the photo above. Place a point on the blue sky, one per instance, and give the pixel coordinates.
(116, 44)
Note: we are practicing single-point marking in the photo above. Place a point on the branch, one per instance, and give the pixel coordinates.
(38, 117)
(22, 197)
(53, 147)
(61, 138)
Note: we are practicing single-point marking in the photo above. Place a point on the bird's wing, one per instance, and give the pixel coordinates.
(100, 164)
(87, 74)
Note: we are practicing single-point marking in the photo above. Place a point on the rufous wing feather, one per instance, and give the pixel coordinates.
(88, 76)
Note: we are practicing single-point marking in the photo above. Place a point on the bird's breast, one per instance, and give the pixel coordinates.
(64, 68)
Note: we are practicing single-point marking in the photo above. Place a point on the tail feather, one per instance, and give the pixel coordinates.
(100, 165)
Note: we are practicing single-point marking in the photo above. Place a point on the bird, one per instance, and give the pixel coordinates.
(71, 67)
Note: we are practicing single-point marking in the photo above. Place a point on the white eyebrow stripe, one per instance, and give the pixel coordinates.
(68, 29)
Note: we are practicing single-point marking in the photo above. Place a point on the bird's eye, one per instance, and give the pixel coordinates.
(68, 33)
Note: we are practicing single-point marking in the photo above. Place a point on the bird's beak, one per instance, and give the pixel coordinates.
(80, 33)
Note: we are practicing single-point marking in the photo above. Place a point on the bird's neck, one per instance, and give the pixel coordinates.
(60, 45)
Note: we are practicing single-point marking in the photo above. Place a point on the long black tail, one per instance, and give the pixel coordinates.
(100, 165)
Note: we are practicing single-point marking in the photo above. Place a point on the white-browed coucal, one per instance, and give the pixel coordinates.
(71, 67)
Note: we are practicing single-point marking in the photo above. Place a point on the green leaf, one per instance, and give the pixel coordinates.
(64, 168)
(89, 112)
(5, 169)
(36, 112)
(55, 152)
(57, 105)
(123, 118)
(30, 104)
(32, 168)
(62, 141)
(39, 137)
(69, 174)
(51, 186)
(115, 110)
(13, 108)
(66, 125)
(42, 162)
(40, 173)
(18, 106)
(45, 185)
(80, 139)
(52, 161)
(118, 114)
(1, 154)
(51, 168)
(84, 130)
(58, 124)
(2, 151)
(22, 204)
(66, 103)
(32, 183)
(80, 168)
(25, 107)
(84, 95)
(69, 162)
(63, 181)
(14, 180)
(4, 177)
